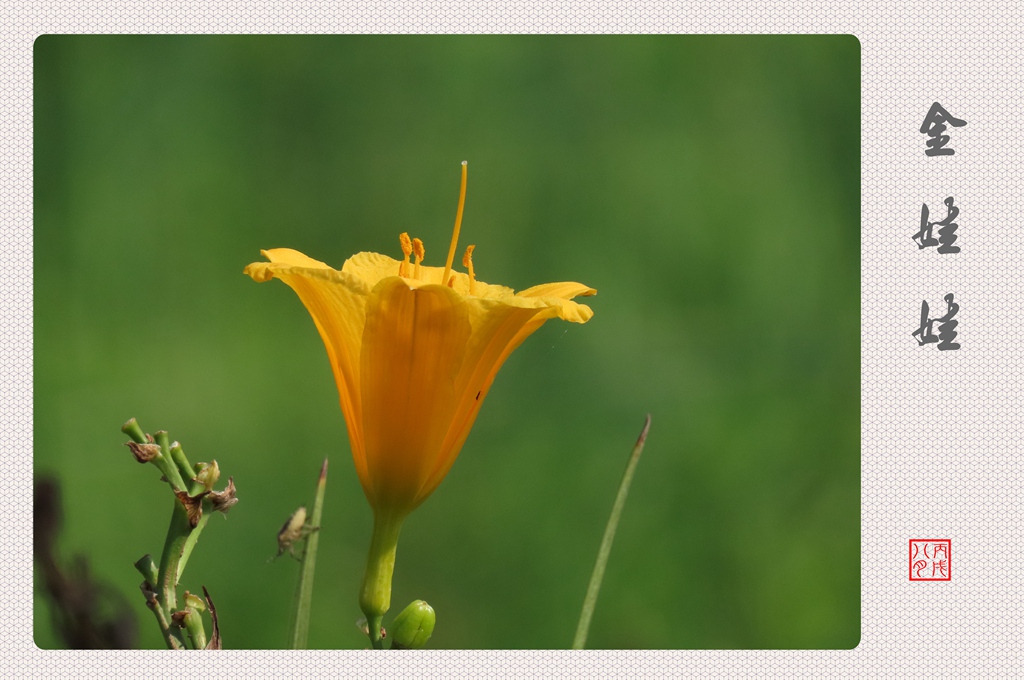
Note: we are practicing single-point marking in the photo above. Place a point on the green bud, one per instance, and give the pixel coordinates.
(192, 621)
(413, 627)
(195, 602)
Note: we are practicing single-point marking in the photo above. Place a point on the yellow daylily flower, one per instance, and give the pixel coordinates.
(414, 350)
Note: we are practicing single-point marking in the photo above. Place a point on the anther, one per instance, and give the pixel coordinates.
(403, 267)
(467, 262)
(420, 253)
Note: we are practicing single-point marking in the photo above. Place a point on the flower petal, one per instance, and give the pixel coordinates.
(565, 290)
(561, 294)
(337, 304)
(371, 268)
(497, 330)
(413, 347)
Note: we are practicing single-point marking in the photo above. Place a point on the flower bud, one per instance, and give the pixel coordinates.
(191, 620)
(413, 627)
(195, 602)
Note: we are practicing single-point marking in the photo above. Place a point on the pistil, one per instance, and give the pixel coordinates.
(458, 224)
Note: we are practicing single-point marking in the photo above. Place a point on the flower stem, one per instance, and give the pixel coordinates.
(172, 634)
(190, 542)
(167, 465)
(188, 473)
(590, 601)
(133, 430)
(174, 546)
(375, 593)
(304, 592)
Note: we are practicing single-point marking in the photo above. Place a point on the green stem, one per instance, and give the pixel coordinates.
(191, 540)
(167, 581)
(147, 567)
(194, 627)
(174, 545)
(166, 463)
(185, 468)
(172, 635)
(163, 461)
(133, 430)
(375, 593)
(590, 601)
(304, 591)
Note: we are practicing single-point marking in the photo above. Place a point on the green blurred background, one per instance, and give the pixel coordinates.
(708, 187)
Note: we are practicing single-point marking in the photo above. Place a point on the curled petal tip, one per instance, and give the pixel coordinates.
(258, 271)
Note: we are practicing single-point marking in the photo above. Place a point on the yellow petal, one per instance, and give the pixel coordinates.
(413, 346)
(337, 304)
(371, 268)
(497, 330)
(565, 290)
(292, 258)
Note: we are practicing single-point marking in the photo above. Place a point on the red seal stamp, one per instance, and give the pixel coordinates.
(929, 559)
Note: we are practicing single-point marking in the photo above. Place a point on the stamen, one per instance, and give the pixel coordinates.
(458, 224)
(420, 252)
(451, 281)
(403, 267)
(467, 262)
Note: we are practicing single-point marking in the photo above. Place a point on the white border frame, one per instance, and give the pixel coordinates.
(941, 431)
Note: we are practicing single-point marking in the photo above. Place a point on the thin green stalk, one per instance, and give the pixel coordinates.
(375, 593)
(590, 601)
(166, 587)
(190, 542)
(304, 591)
(147, 567)
(171, 634)
(188, 473)
(163, 462)
(174, 545)
(133, 430)
(167, 464)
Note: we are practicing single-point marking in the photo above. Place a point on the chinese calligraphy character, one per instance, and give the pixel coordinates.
(947, 232)
(947, 326)
(925, 329)
(934, 126)
(929, 559)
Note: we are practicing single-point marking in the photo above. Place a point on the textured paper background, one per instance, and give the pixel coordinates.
(941, 432)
